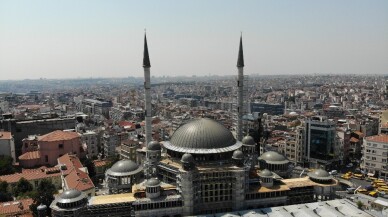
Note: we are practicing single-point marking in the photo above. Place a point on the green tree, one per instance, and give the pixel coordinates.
(4, 194)
(22, 186)
(44, 195)
(6, 165)
(360, 204)
(88, 163)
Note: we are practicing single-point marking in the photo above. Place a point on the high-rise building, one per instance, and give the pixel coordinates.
(321, 148)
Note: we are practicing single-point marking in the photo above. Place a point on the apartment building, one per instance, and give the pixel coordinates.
(375, 156)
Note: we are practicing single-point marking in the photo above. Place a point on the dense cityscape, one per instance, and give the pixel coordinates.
(302, 145)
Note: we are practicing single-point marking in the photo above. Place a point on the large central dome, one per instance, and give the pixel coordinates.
(202, 136)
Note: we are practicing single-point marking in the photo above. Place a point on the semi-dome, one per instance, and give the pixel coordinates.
(187, 158)
(152, 182)
(238, 155)
(265, 173)
(71, 195)
(154, 146)
(248, 140)
(319, 174)
(124, 167)
(202, 136)
(273, 157)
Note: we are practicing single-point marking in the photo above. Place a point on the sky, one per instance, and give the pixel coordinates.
(57, 39)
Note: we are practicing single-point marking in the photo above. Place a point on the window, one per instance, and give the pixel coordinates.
(46, 158)
(60, 145)
(373, 158)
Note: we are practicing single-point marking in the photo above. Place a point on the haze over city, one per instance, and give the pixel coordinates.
(83, 39)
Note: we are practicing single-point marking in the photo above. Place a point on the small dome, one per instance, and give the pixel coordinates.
(248, 140)
(319, 174)
(187, 158)
(41, 207)
(70, 194)
(152, 182)
(154, 146)
(266, 173)
(273, 157)
(124, 166)
(238, 155)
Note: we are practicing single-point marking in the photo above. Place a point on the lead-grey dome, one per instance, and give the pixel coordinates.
(41, 207)
(248, 140)
(123, 168)
(70, 196)
(152, 182)
(154, 146)
(238, 155)
(265, 173)
(202, 136)
(187, 158)
(319, 174)
(273, 157)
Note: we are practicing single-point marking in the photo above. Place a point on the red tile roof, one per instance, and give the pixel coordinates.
(378, 138)
(58, 135)
(32, 174)
(354, 140)
(360, 134)
(19, 208)
(5, 135)
(30, 155)
(100, 163)
(75, 178)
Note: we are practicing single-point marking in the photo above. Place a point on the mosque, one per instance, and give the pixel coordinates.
(203, 169)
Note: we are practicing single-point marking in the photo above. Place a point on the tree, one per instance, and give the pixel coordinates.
(44, 195)
(22, 186)
(88, 163)
(6, 165)
(360, 204)
(4, 194)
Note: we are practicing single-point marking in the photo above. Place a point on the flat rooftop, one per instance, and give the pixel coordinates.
(331, 208)
(112, 198)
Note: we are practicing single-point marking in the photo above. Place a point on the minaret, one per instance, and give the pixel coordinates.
(240, 86)
(147, 96)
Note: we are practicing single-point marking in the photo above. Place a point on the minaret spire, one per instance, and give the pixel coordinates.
(240, 91)
(147, 95)
(146, 57)
(240, 60)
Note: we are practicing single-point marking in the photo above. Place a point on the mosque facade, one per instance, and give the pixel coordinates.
(203, 169)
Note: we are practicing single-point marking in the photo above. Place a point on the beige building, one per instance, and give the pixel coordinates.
(7, 145)
(375, 156)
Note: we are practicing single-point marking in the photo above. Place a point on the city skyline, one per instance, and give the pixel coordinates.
(44, 39)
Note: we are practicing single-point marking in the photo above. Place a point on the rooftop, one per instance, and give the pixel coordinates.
(16, 207)
(32, 174)
(112, 198)
(58, 135)
(378, 138)
(5, 135)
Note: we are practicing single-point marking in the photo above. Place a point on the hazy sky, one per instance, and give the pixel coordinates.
(92, 38)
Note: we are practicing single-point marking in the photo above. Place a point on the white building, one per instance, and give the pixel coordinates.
(7, 145)
(375, 156)
(89, 138)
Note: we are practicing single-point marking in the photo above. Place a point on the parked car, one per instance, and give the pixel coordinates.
(349, 165)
